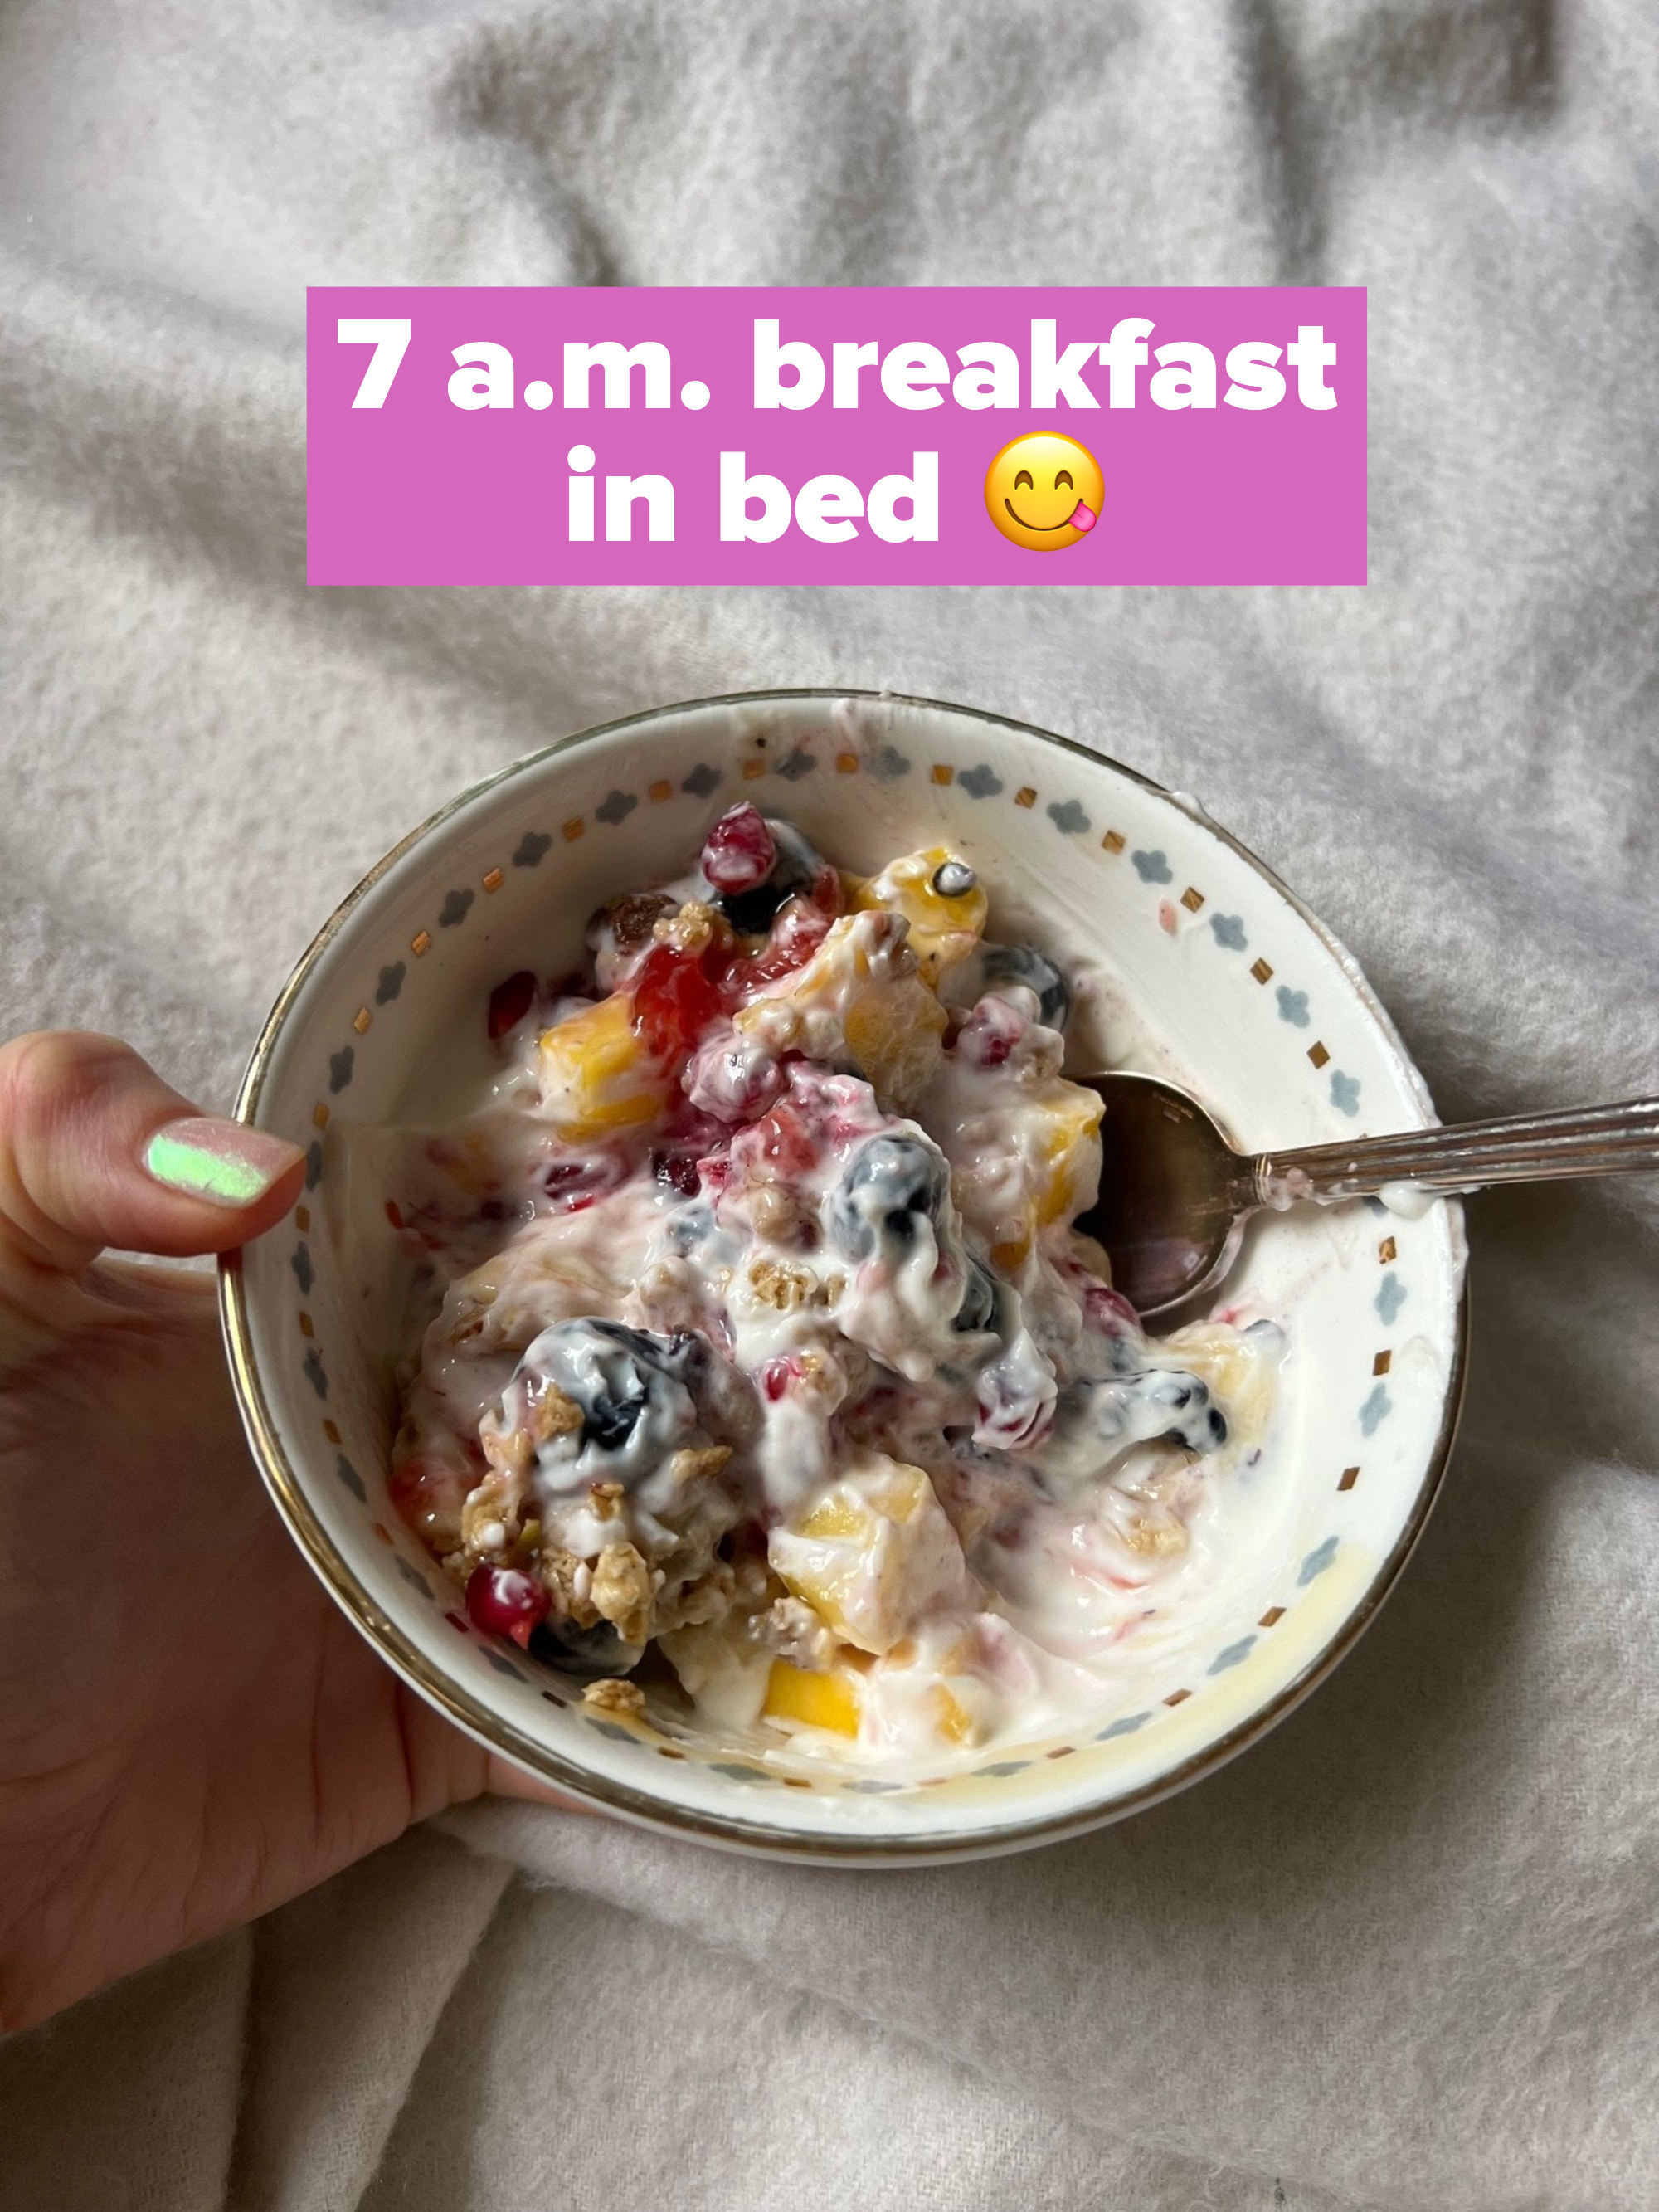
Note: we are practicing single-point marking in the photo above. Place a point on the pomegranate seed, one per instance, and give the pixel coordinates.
(738, 854)
(777, 1375)
(677, 1169)
(571, 1185)
(510, 1002)
(503, 1600)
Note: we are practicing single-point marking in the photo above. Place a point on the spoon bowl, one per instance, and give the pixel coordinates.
(1168, 1216)
(1174, 1194)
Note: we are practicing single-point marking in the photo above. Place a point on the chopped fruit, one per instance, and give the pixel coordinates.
(858, 998)
(509, 1002)
(597, 1075)
(955, 1724)
(777, 1148)
(428, 1492)
(873, 1553)
(893, 1032)
(675, 1000)
(1059, 1148)
(835, 1516)
(940, 896)
(504, 1601)
(739, 851)
(799, 930)
(822, 1701)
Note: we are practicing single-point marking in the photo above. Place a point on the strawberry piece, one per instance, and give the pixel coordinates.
(675, 999)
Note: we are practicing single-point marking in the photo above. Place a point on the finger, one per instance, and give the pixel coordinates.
(505, 1780)
(96, 1150)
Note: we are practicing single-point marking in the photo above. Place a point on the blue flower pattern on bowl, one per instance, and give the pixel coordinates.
(1292, 1006)
(1390, 1296)
(1345, 1092)
(1316, 1562)
(1228, 930)
(1152, 867)
(981, 783)
(1374, 1411)
(1126, 1726)
(1069, 818)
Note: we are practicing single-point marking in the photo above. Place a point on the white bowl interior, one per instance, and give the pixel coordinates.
(1208, 970)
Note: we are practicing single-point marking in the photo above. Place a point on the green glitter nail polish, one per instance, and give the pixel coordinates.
(223, 1162)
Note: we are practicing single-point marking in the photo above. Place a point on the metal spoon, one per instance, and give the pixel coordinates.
(1175, 1195)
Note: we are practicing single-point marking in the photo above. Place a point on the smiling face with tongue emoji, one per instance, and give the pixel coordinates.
(1044, 491)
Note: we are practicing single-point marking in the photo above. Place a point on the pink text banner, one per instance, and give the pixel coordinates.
(579, 435)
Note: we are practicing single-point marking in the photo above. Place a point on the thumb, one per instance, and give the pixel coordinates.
(97, 1149)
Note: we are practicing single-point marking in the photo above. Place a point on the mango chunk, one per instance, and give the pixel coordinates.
(945, 924)
(871, 1553)
(1059, 1141)
(822, 1701)
(894, 1033)
(860, 998)
(954, 1722)
(596, 1076)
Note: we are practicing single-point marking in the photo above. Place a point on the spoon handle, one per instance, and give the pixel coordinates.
(1586, 1140)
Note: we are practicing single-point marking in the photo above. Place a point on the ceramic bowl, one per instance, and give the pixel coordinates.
(1208, 970)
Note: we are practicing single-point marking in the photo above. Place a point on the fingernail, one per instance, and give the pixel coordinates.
(226, 1163)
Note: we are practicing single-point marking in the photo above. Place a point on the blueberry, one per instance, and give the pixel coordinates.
(592, 1653)
(632, 1389)
(793, 872)
(689, 1225)
(1020, 963)
(953, 878)
(982, 1299)
(609, 1422)
(891, 1182)
(1159, 1404)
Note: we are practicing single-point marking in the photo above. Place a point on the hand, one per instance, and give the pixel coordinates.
(190, 1731)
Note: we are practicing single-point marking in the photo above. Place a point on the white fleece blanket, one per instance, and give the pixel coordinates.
(1402, 1955)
